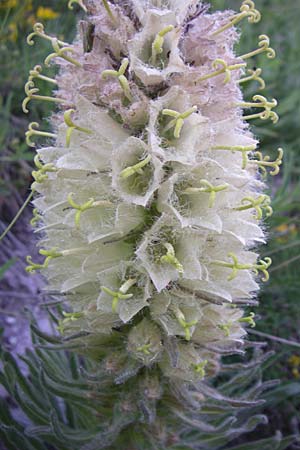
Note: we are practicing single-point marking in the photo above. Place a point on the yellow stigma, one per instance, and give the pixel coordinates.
(121, 294)
(120, 75)
(32, 94)
(40, 175)
(247, 10)
(260, 204)
(158, 43)
(261, 266)
(259, 101)
(178, 120)
(208, 188)
(50, 254)
(263, 47)
(72, 126)
(137, 168)
(244, 149)
(184, 324)
(220, 67)
(33, 132)
(254, 75)
(78, 2)
(171, 259)
(91, 203)
(264, 161)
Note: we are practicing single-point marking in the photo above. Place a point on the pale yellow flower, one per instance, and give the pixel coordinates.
(46, 13)
(6, 4)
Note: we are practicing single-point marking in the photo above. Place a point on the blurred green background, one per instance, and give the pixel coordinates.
(279, 302)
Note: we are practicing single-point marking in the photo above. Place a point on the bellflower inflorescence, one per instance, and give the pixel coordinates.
(149, 200)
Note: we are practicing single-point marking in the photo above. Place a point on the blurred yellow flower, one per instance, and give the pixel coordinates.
(6, 4)
(285, 232)
(46, 13)
(13, 32)
(294, 361)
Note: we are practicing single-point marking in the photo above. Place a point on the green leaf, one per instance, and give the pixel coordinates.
(6, 266)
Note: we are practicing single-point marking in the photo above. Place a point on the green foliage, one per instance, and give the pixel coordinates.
(66, 405)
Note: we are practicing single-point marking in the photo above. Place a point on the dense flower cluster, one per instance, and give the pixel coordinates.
(150, 201)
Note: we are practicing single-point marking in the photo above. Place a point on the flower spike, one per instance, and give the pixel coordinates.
(60, 52)
(264, 47)
(178, 120)
(264, 162)
(171, 259)
(238, 148)
(31, 92)
(41, 174)
(254, 75)
(209, 188)
(78, 2)
(141, 197)
(31, 132)
(137, 168)
(225, 68)
(121, 294)
(91, 203)
(158, 43)
(259, 204)
(71, 126)
(247, 10)
(50, 254)
(262, 266)
(120, 74)
(185, 325)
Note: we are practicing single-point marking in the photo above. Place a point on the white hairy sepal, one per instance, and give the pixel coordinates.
(188, 357)
(164, 310)
(118, 41)
(111, 219)
(145, 342)
(113, 279)
(220, 325)
(140, 49)
(177, 6)
(82, 267)
(194, 209)
(135, 186)
(195, 136)
(104, 130)
(187, 247)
